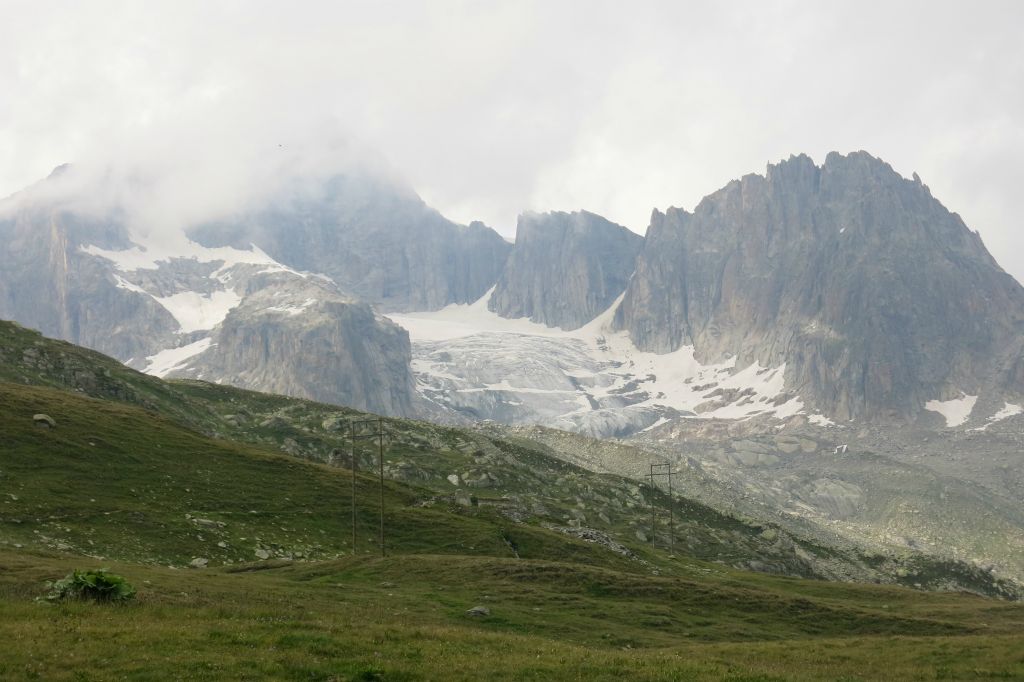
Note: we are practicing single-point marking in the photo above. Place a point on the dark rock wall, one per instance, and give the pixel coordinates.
(48, 284)
(565, 268)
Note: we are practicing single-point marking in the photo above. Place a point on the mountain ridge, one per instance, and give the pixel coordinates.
(876, 300)
(798, 265)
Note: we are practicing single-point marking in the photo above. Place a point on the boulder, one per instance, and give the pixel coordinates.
(274, 422)
(334, 424)
(44, 421)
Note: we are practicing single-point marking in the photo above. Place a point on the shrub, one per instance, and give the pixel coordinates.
(97, 584)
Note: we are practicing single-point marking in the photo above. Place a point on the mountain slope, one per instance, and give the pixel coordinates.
(284, 593)
(194, 427)
(522, 481)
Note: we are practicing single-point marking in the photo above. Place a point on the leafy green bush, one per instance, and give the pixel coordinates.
(97, 584)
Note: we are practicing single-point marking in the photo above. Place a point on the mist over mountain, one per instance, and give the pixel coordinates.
(83, 265)
(375, 239)
(49, 284)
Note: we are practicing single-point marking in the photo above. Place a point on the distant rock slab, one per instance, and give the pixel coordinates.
(324, 347)
(565, 268)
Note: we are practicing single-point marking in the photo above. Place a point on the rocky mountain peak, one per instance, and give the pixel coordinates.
(59, 170)
(875, 297)
(376, 240)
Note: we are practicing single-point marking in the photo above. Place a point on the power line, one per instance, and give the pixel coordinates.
(378, 433)
(663, 469)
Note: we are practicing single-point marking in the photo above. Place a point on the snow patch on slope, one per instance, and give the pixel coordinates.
(122, 283)
(166, 361)
(459, 320)
(1008, 410)
(956, 411)
(195, 311)
(820, 420)
(291, 309)
(149, 257)
(199, 286)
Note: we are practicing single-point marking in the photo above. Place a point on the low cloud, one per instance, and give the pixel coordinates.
(489, 109)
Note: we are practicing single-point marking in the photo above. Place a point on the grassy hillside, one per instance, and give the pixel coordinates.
(116, 481)
(148, 477)
(520, 482)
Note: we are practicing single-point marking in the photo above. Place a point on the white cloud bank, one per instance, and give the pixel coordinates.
(493, 108)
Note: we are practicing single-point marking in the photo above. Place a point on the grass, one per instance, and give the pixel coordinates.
(533, 483)
(403, 618)
(115, 481)
(145, 476)
(111, 486)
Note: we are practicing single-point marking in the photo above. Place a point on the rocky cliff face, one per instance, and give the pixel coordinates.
(875, 297)
(49, 284)
(304, 339)
(565, 268)
(376, 240)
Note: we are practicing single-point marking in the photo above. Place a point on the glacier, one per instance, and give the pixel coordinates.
(593, 380)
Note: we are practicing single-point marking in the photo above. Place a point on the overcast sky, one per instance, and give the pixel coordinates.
(489, 109)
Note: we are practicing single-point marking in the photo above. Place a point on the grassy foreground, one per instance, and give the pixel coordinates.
(403, 618)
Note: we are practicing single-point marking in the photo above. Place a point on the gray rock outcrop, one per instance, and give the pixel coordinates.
(565, 268)
(304, 339)
(873, 294)
(47, 283)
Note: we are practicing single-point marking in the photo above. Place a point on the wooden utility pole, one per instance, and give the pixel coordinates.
(663, 469)
(354, 435)
(380, 457)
